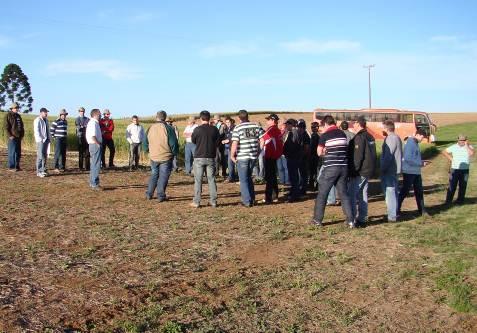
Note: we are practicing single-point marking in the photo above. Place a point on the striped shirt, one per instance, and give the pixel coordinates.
(59, 128)
(247, 136)
(336, 144)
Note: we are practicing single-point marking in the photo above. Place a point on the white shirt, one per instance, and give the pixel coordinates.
(93, 129)
(41, 130)
(134, 133)
(188, 132)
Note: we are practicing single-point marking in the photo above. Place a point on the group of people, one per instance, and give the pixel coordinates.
(284, 151)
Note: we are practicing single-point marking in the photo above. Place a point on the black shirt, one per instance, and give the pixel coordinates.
(206, 139)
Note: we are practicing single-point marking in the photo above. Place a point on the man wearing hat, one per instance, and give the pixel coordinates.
(59, 132)
(291, 150)
(304, 140)
(189, 146)
(459, 155)
(170, 122)
(42, 139)
(107, 129)
(81, 123)
(15, 130)
(221, 161)
(272, 146)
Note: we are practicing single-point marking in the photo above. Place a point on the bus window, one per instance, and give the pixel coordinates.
(379, 117)
(421, 119)
(406, 118)
(392, 116)
(319, 115)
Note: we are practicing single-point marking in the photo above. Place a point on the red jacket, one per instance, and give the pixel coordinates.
(273, 147)
(107, 128)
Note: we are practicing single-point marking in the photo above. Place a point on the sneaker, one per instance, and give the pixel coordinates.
(148, 197)
(41, 174)
(316, 223)
(351, 225)
(97, 188)
(226, 181)
(62, 170)
(213, 204)
(194, 205)
(56, 171)
(18, 169)
(12, 170)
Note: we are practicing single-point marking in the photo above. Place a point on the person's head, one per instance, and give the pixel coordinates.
(43, 113)
(243, 115)
(95, 113)
(161, 115)
(216, 118)
(361, 122)
(328, 121)
(191, 120)
(301, 125)
(314, 127)
(81, 111)
(14, 107)
(272, 120)
(135, 120)
(389, 126)
(204, 116)
(63, 114)
(420, 134)
(344, 125)
(228, 121)
(290, 124)
(461, 140)
(106, 113)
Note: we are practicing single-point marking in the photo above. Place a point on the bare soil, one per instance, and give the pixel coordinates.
(76, 260)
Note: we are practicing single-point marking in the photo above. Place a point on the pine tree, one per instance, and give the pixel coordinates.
(14, 87)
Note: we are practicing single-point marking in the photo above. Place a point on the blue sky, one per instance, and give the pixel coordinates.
(137, 57)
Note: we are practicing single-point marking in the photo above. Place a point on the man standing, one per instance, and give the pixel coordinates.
(221, 161)
(83, 149)
(189, 146)
(459, 155)
(42, 139)
(107, 129)
(206, 139)
(161, 143)
(272, 145)
(170, 122)
(292, 152)
(15, 131)
(390, 164)
(59, 131)
(313, 162)
(411, 171)
(333, 147)
(227, 142)
(362, 163)
(94, 138)
(304, 140)
(244, 152)
(134, 136)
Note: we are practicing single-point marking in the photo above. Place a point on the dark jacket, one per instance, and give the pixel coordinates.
(362, 155)
(14, 125)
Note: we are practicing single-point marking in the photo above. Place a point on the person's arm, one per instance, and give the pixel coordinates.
(321, 150)
(408, 154)
(53, 129)
(233, 151)
(128, 134)
(8, 127)
(358, 153)
(470, 149)
(447, 155)
(36, 130)
(111, 126)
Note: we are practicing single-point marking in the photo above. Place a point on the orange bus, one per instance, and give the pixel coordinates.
(406, 122)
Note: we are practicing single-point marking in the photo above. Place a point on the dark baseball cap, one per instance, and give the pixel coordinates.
(301, 123)
(272, 116)
(291, 121)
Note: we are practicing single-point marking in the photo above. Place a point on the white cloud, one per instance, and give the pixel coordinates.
(112, 69)
(228, 49)
(305, 45)
(141, 17)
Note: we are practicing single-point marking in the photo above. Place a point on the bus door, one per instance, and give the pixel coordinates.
(422, 122)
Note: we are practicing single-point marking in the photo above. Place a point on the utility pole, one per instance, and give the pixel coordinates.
(369, 81)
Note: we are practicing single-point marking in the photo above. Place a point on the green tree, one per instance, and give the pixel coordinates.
(14, 87)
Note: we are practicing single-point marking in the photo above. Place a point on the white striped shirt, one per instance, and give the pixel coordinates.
(247, 136)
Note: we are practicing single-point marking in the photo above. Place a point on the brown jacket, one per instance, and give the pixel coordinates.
(12, 126)
(158, 138)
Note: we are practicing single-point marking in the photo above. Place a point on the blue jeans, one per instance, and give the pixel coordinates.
(230, 166)
(259, 169)
(294, 177)
(282, 170)
(189, 157)
(247, 190)
(337, 176)
(414, 181)
(60, 153)
(14, 153)
(358, 196)
(160, 172)
(331, 200)
(457, 176)
(389, 185)
(95, 164)
(209, 165)
(41, 155)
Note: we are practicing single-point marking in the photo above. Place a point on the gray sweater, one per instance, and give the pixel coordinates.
(391, 155)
